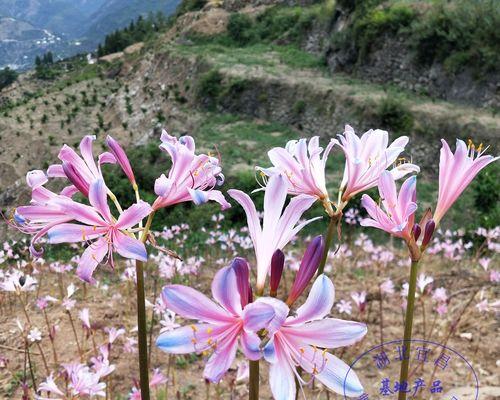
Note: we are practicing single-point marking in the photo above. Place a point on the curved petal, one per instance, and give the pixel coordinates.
(69, 191)
(387, 189)
(293, 212)
(218, 197)
(220, 361)
(88, 156)
(98, 198)
(318, 303)
(338, 377)
(250, 345)
(133, 215)
(129, 247)
(189, 339)
(257, 316)
(90, 258)
(281, 378)
(199, 197)
(225, 290)
(106, 158)
(192, 304)
(73, 233)
(55, 171)
(163, 186)
(253, 220)
(80, 212)
(36, 178)
(281, 311)
(328, 333)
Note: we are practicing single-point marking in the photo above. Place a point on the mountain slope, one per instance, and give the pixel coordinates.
(115, 14)
(65, 27)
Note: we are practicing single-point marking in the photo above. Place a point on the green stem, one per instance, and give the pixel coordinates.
(143, 338)
(253, 393)
(141, 319)
(328, 242)
(410, 307)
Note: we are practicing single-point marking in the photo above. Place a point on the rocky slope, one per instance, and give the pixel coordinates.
(174, 82)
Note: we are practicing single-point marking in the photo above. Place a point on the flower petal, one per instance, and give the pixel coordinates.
(36, 178)
(253, 220)
(318, 303)
(281, 311)
(220, 361)
(225, 290)
(338, 377)
(274, 200)
(250, 345)
(257, 316)
(192, 304)
(73, 233)
(163, 186)
(98, 198)
(188, 339)
(281, 378)
(78, 211)
(328, 333)
(129, 247)
(90, 258)
(133, 215)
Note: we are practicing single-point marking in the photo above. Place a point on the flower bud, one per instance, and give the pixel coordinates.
(430, 226)
(121, 157)
(308, 266)
(416, 231)
(242, 271)
(75, 178)
(277, 264)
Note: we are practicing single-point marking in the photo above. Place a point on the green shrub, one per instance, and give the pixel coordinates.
(379, 21)
(299, 107)
(240, 29)
(210, 87)
(487, 196)
(459, 34)
(395, 116)
(190, 5)
(7, 76)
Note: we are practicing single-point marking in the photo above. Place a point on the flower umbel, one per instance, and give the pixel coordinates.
(367, 157)
(222, 325)
(191, 177)
(298, 341)
(278, 228)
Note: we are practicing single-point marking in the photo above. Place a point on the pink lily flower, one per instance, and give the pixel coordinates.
(80, 171)
(191, 177)
(295, 341)
(278, 228)
(302, 166)
(367, 157)
(222, 325)
(50, 386)
(456, 172)
(399, 215)
(96, 223)
(39, 217)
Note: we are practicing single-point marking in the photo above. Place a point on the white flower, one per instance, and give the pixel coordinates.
(35, 335)
(344, 307)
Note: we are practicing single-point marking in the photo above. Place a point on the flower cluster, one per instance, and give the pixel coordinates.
(262, 321)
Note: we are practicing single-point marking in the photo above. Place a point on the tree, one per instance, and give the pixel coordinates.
(7, 76)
